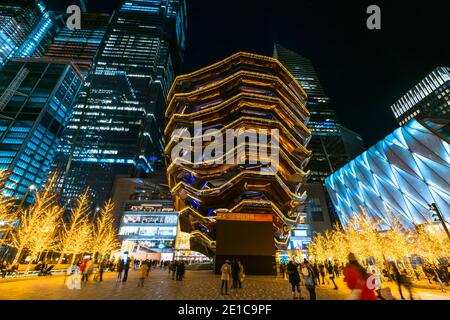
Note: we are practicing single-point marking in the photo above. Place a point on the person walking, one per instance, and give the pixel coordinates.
(437, 278)
(294, 279)
(356, 278)
(331, 274)
(84, 271)
(126, 268)
(241, 273)
(283, 270)
(142, 274)
(401, 280)
(309, 279)
(120, 266)
(225, 271)
(376, 273)
(235, 274)
(180, 271)
(73, 280)
(316, 273)
(174, 269)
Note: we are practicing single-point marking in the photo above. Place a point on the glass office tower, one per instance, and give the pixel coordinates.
(25, 27)
(326, 143)
(37, 97)
(429, 98)
(331, 144)
(116, 128)
(80, 45)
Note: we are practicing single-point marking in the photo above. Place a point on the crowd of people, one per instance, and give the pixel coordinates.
(356, 274)
(367, 281)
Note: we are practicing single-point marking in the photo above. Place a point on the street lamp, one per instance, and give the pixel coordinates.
(437, 215)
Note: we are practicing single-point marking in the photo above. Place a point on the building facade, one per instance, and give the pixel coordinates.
(429, 98)
(149, 226)
(326, 144)
(117, 126)
(80, 45)
(36, 102)
(332, 146)
(233, 196)
(25, 28)
(402, 175)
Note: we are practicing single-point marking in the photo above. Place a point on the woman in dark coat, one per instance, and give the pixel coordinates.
(294, 279)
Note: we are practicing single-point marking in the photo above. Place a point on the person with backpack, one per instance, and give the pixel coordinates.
(309, 279)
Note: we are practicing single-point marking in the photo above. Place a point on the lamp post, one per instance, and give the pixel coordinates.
(437, 214)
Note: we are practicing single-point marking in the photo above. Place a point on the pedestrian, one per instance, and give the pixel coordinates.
(225, 271)
(126, 268)
(89, 269)
(336, 269)
(294, 279)
(120, 267)
(84, 271)
(376, 273)
(401, 280)
(323, 273)
(235, 274)
(179, 271)
(330, 271)
(316, 273)
(241, 273)
(174, 269)
(437, 278)
(356, 278)
(73, 281)
(309, 279)
(282, 270)
(143, 274)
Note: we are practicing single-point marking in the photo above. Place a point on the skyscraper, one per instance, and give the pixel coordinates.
(116, 127)
(429, 98)
(36, 101)
(80, 45)
(241, 198)
(326, 143)
(25, 27)
(331, 144)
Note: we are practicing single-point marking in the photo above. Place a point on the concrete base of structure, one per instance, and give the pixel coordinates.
(252, 242)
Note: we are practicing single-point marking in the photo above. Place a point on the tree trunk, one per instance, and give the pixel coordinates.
(18, 254)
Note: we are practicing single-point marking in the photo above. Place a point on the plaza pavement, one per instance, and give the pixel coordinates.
(197, 285)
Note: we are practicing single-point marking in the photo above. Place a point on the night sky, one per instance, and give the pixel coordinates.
(363, 71)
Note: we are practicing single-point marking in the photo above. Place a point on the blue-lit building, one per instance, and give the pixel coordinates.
(25, 28)
(37, 96)
(80, 45)
(402, 174)
(116, 126)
